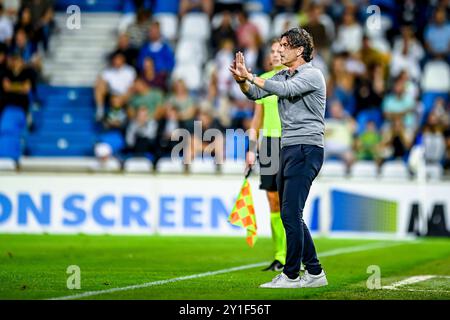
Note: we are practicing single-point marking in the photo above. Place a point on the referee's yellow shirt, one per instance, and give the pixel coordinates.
(271, 121)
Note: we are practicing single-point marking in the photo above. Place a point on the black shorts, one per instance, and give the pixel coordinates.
(269, 181)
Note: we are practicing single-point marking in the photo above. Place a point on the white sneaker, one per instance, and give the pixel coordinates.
(313, 281)
(282, 281)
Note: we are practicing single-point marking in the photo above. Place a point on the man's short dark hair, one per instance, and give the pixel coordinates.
(298, 37)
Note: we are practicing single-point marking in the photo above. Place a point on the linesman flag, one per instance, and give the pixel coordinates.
(243, 213)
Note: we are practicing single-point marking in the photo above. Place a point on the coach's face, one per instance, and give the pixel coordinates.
(289, 55)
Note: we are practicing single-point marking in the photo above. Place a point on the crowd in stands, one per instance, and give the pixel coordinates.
(388, 76)
(25, 28)
(381, 81)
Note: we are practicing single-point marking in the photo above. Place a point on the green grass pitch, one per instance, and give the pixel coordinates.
(34, 267)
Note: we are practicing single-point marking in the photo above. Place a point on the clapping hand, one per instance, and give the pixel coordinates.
(238, 68)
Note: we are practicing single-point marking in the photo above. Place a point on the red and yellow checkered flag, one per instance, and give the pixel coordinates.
(243, 213)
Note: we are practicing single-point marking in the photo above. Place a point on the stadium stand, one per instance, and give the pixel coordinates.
(60, 130)
(138, 165)
(364, 170)
(333, 169)
(7, 165)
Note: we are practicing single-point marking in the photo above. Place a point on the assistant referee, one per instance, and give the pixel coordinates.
(266, 118)
(301, 95)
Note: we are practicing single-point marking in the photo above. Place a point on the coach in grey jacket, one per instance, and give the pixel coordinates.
(301, 92)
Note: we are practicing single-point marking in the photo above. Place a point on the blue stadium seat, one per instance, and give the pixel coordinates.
(75, 125)
(70, 138)
(166, 6)
(79, 113)
(45, 90)
(47, 149)
(114, 139)
(366, 116)
(10, 146)
(90, 5)
(259, 5)
(57, 102)
(13, 120)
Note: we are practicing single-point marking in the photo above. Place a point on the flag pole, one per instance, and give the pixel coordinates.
(247, 172)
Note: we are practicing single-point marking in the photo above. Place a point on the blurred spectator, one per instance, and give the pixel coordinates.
(3, 68)
(319, 62)
(339, 129)
(342, 83)
(24, 46)
(151, 77)
(17, 83)
(411, 87)
(42, 19)
(123, 46)
(223, 59)
(116, 117)
(412, 12)
(367, 144)
(407, 56)
(11, 7)
(115, 80)
(200, 146)
(187, 6)
(318, 30)
(246, 30)
(182, 100)
(350, 33)
(224, 31)
(433, 140)
(141, 133)
(157, 49)
(283, 6)
(6, 26)
(129, 10)
(407, 42)
(254, 54)
(138, 30)
(241, 112)
(370, 89)
(437, 35)
(400, 105)
(24, 22)
(144, 96)
(32, 59)
(441, 112)
(396, 141)
(228, 5)
(167, 125)
(370, 56)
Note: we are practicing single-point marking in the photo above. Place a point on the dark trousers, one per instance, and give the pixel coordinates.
(299, 166)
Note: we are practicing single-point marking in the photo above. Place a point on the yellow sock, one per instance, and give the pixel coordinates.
(278, 236)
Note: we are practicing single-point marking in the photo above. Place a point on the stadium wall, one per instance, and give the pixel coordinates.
(200, 205)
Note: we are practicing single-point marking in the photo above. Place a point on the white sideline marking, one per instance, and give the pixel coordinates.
(412, 280)
(212, 273)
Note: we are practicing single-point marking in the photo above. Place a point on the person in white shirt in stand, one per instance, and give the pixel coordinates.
(114, 80)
